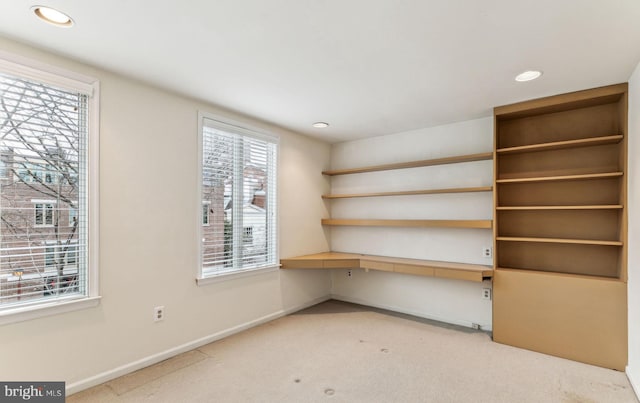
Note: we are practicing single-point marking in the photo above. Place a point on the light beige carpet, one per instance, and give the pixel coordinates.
(339, 352)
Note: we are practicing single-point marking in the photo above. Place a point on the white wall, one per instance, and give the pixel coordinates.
(633, 291)
(148, 154)
(458, 302)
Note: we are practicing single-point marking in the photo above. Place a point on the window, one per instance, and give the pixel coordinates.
(205, 212)
(50, 254)
(238, 186)
(44, 212)
(48, 143)
(72, 253)
(73, 215)
(50, 177)
(247, 235)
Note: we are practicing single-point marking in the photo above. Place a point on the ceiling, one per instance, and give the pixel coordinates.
(367, 67)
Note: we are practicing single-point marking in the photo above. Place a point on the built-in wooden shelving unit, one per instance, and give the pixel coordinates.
(411, 164)
(560, 225)
(409, 223)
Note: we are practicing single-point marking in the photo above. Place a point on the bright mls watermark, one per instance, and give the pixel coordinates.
(34, 392)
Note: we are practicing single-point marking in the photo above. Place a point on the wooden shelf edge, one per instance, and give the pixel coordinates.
(316, 261)
(410, 192)
(559, 240)
(555, 103)
(412, 164)
(559, 274)
(427, 268)
(558, 145)
(486, 224)
(562, 177)
(576, 207)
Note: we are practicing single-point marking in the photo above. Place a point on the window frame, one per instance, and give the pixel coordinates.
(47, 74)
(245, 129)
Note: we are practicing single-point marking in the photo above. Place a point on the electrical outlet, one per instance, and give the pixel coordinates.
(486, 293)
(487, 252)
(158, 313)
(349, 274)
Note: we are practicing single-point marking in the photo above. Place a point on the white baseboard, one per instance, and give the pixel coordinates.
(161, 356)
(634, 381)
(484, 326)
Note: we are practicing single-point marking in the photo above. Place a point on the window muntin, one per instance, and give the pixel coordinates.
(45, 120)
(238, 181)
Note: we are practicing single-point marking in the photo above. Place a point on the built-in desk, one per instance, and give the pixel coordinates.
(429, 268)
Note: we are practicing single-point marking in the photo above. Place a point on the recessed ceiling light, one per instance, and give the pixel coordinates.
(52, 16)
(528, 75)
(320, 125)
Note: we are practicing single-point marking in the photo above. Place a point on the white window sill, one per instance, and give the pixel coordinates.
(24, 313)
(218, 278)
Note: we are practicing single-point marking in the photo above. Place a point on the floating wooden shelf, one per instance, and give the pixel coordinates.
(411, 164)
(429, 268)
(409, 223)
(410, 192)
(594, 207)
(560, 240)
(558, 145)
(562, 178)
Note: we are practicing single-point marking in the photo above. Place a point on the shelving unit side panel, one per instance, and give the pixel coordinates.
(561, 316)
(623, 111)
(496, 194)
